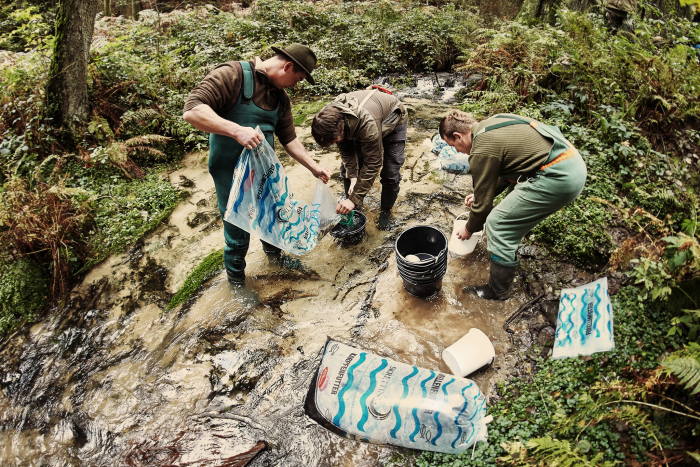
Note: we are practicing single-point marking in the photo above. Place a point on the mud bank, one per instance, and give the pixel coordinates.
(111, 379)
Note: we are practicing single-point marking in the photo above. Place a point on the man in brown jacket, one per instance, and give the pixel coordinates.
(620, 14)
(369, 128)
(229, 103)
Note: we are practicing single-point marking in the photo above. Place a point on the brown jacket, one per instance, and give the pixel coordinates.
(376, 119)
(222, 86)
(630, 6)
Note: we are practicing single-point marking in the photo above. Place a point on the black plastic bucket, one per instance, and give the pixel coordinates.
(423, 290)
(422, 278)
(351, 234)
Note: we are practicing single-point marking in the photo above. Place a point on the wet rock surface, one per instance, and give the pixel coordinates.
(110, 379)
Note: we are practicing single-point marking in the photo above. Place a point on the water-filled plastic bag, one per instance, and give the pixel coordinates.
(369, 398)
(262, 203)
(585, 321)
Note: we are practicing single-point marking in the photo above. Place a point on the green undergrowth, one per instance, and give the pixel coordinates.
(210, 266)
(304, 111)
(592, 402)
(23, 293)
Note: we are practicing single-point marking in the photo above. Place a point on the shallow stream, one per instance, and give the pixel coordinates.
(112, 380)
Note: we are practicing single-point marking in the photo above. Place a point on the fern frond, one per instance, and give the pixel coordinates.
(695, 455)
(687, 369)
(148, 149)
(146, 139)
(138, 115)
(561, 453)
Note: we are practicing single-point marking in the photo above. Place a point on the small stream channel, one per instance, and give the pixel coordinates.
(112, 380)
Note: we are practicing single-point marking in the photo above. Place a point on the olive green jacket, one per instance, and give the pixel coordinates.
(630, 6)
(380, 115)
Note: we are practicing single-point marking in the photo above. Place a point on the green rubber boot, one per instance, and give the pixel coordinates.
(500, 281)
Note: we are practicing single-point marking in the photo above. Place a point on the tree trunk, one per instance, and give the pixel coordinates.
(135, 8)
(67, 90)
(108, 8)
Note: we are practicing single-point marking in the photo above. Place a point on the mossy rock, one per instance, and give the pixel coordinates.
(23, 292)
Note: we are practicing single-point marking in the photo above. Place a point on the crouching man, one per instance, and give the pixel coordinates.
(541, 167)
(369, 128)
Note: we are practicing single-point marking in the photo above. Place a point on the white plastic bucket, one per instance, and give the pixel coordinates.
(470, 353)
(458, 247)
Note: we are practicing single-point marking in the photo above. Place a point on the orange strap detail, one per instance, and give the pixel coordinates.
(561, 157)
(534, 124)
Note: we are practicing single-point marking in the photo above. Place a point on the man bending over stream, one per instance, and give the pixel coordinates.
(541, 169)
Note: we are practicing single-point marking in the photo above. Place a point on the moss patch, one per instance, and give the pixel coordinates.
(212, 265)
(23, 291)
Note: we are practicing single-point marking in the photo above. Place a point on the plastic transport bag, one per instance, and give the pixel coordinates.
(453, 161)
(368, 398)
(585, 321)
(262, 203)
(448, 157)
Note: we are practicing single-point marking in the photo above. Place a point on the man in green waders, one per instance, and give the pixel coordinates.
(229, 103)
(542, 170)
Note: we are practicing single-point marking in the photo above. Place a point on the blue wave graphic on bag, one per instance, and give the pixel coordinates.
(585, 321)
(261, 203)
(448, 157)
(369, 398)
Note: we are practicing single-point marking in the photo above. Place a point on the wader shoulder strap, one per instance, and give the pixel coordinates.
(248, 84)
(364, 101)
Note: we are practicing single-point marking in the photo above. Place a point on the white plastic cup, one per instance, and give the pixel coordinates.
(470, 353)
(459, 247)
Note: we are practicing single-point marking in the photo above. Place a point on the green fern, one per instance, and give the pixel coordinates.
(561, 453)
(139, 115)
(695, 456)
(687, 369)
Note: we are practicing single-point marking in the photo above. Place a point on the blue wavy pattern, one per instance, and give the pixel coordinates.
(278, 205)
(239, 200)
(368, 392)
(461, 412)
(266, 192)
(596, 309)
(348, 385)
(414, 412)
(436, 416)
(404, 394)
(585, 300)
(568, 325)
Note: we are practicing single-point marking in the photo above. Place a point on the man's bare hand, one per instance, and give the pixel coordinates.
(353, 181)
(345, 206)
(247, 137)
(322, 172)
(469, 200)
(464, 234)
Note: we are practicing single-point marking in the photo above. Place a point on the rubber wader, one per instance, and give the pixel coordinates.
(536, 196)
(224, 153)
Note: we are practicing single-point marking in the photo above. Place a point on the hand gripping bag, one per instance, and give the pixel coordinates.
(585, 321)
(262, 203)
(369, 398)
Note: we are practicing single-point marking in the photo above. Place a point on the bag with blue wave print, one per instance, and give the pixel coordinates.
(585, 321)
(262, 203)
(377, 400)
(453, 161)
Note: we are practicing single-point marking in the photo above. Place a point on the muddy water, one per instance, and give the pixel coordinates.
(110, 379)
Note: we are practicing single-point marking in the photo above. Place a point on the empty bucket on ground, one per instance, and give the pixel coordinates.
(470, 353)
(427, 245)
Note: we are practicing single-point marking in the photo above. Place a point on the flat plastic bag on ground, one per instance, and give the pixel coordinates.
(437, 144)
(262, 203)
(453, 161)
(585, 321)
(368, 398)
